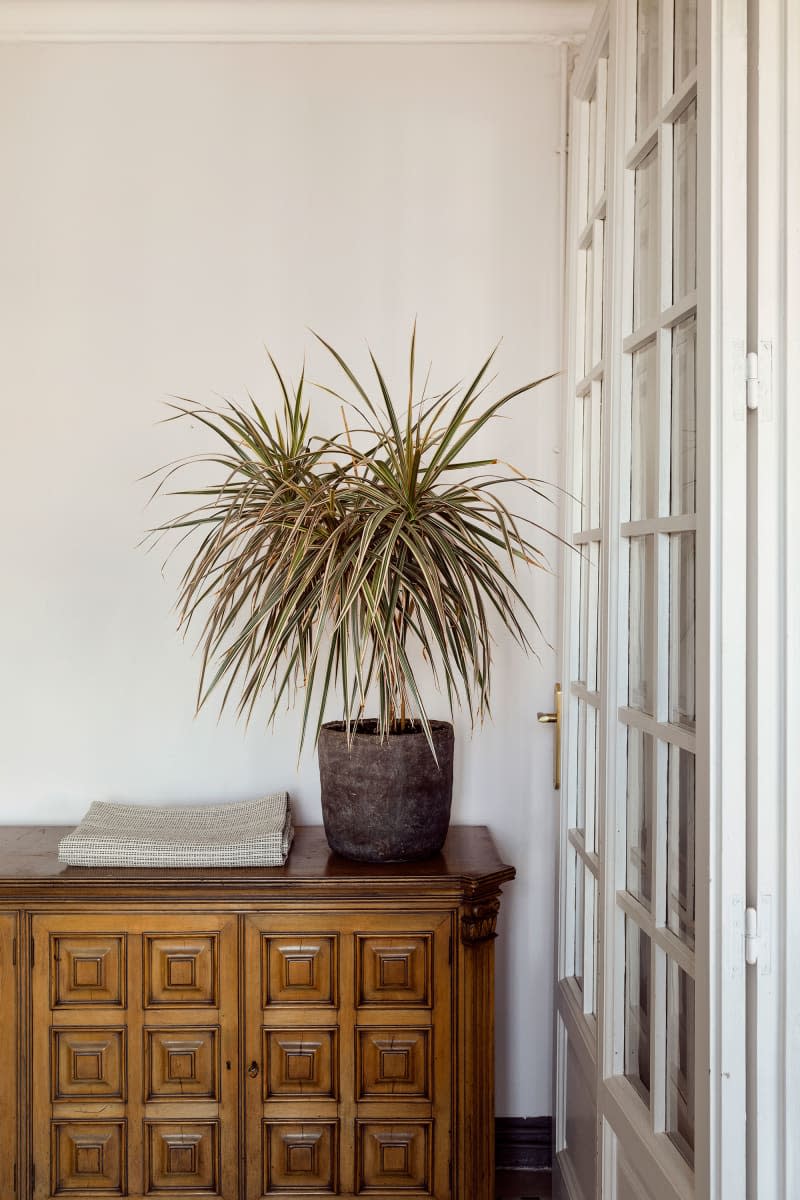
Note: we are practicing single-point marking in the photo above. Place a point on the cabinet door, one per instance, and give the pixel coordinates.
(135, 1065)
(8, 1054)
(348, 1054)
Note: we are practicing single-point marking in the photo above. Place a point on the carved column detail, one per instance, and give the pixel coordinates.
(475, 1110)
(479, 920)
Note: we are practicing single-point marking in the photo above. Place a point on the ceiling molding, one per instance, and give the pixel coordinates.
(294, 20)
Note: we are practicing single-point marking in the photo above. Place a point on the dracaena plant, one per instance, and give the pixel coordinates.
(353, 563)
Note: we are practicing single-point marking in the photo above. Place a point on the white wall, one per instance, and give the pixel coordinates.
(166, 209)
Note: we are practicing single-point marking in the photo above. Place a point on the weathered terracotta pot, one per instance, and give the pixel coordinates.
(386, 801)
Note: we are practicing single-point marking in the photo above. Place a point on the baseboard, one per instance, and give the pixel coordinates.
(524, 1143)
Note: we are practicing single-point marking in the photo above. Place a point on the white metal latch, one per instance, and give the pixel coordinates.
(751, 384)
(758, 380)
(750, 931)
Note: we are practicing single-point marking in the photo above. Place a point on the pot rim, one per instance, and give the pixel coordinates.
(339, 727)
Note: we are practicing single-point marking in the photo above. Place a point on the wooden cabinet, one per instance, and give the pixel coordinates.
(321, 1029)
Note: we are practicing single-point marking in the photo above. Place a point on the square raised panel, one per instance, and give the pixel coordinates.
(299, 970)
(180, 970)
(88, 970)
(88, 1064)
(181, 1063)
(182, 1156)
(394, 1157)
(300, 1156)
(300, 1062)
(393, 1062)
(394, 970)
(88, 1157)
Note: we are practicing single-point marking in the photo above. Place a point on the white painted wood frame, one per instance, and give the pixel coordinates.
(774, 627)
(791, 326)
(791, 584)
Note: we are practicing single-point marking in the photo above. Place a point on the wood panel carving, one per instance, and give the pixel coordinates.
(299, 970)
(393, 1062)
(88, 1064)
(88, 971)
(300, 1062)
(394, 970)
(182, 1156)
(300, 1157)
(394, 1156)
(182, 1063)
(88, 1157)
(181, 971)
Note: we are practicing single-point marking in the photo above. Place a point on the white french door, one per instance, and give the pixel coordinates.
(650, 995)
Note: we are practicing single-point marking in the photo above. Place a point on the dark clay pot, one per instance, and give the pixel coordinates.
(386, 801)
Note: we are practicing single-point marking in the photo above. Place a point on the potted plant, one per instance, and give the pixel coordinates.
(357, 564)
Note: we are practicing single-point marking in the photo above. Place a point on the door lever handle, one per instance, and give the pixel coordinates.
(554, 718)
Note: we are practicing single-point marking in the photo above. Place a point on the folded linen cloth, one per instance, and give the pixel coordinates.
(251, 833)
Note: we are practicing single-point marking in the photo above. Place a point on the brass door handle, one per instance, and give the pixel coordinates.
(554, 718)
(252, 1070)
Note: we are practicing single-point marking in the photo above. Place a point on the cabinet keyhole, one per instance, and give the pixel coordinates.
(252, 1070)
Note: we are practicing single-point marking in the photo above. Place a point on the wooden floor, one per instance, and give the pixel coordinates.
(523, 1185)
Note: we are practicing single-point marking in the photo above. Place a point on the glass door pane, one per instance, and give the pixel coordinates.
(637, 1008)
(680, 1060)
(682, 629)
(658, 493)
(685, 39)
(683, 453)
(645, 246)
(641, 626)
(684, 203)
(638, 818)
(644, 433)
(681, 845)
(647, 59)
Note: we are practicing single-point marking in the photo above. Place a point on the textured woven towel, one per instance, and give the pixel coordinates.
(254, 833)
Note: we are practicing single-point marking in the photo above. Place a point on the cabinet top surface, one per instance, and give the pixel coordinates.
(469, 862)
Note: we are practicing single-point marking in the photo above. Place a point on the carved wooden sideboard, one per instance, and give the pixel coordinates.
(326, 1028)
